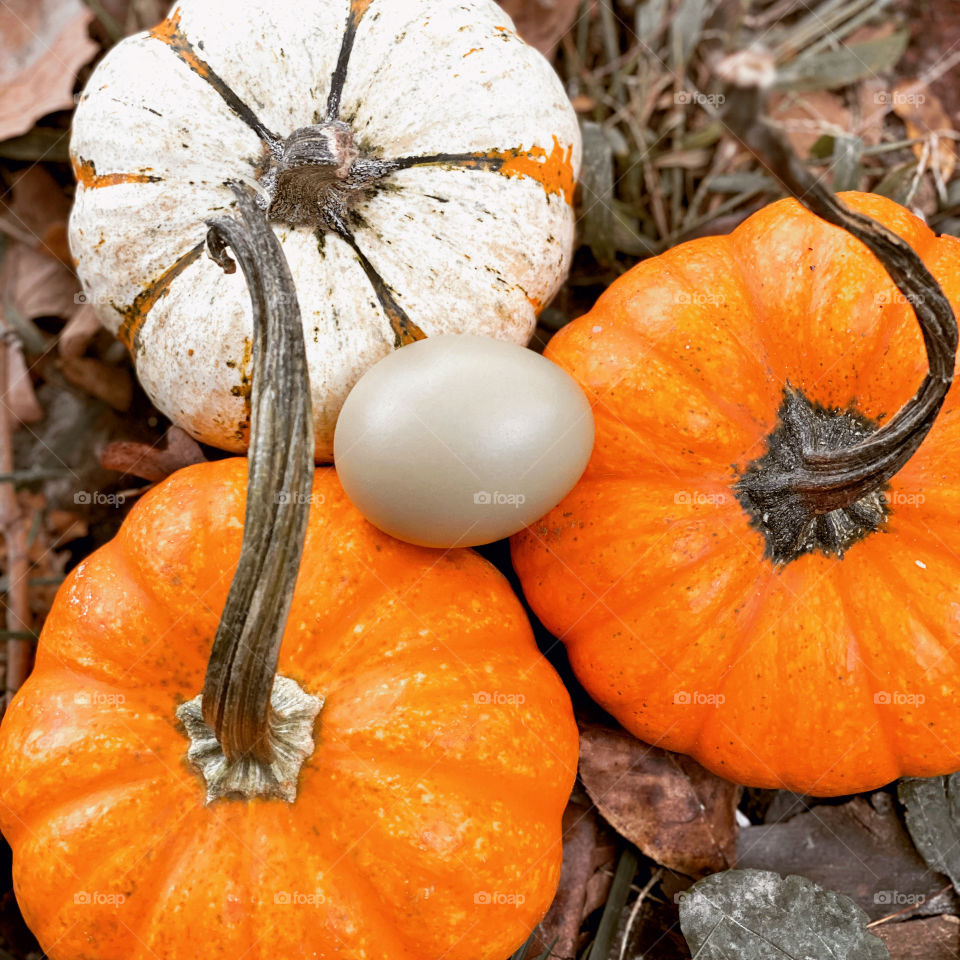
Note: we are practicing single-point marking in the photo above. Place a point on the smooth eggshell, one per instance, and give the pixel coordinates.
(459, 440)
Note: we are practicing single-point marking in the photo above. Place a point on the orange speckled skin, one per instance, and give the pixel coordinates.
(428, 819)
(825, 676)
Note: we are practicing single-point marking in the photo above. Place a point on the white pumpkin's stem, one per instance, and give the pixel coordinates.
(249, 735)
(820, 484)
(317, 176)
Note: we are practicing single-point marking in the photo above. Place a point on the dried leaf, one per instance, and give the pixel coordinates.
(152, 463)
(42, 45)
(859, 848)
(873, 99)
(36, 285)
(924, 116)
(936, 938)
(933, 819)
(40, 206)
(79, 332)
(756, 913)
(113, 385)
(673, 809)
(20, 398)
(584, 854)
(67, 525)
(833, 69)
(804, 118)
(542, 23)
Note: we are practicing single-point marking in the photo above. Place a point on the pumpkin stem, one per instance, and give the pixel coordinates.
(236, 700)
(318, 174)
(810, 471)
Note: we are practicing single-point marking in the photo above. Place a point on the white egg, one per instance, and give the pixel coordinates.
(459, 440)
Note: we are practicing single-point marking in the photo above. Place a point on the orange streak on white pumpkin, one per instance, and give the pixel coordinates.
(554, 172)
(168, 31)
(358, 8)
(86, 174)
(136, 314)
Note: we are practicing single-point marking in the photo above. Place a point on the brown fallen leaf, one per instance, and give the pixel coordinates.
(872, 105)
(82, 327)
(924, 116)
(37, 278)
(20, 397)
(542, 23)
(859, 848)
(42, 45)
(585, 853)
(152, 463)
(34, 284)
(805, 117)
(40, 206)
(66, 525)
(937, 938)
(113, 385)
(674, 810)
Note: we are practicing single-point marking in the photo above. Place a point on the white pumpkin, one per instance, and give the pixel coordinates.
(417, 159)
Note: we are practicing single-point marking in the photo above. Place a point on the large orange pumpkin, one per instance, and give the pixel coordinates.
(427, 819)
(830, 666)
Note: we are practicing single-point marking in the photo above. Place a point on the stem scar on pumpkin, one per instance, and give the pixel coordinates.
(820, 484)
(251, 730)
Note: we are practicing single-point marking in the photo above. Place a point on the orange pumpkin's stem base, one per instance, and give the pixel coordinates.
(819, 486)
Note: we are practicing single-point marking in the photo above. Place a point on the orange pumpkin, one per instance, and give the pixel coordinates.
(828, 666)
(427, 819)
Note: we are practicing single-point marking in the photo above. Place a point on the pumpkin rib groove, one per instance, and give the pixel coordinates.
(407, 766)
(136, 314)
(112, 674)
(889, 324)
(405, 757)
(722, 602)
(657, 581)
(847, 607)
(111, 854)
(404, 329)
(168, 32)
(522, 802)
(358, 9)
(653, 586)
(174, 859)
(678, 273)
(932, 543)
(646, 436)
(736, 413)
(31, 817)
(446, 872)
(456, 251)
(336, 859)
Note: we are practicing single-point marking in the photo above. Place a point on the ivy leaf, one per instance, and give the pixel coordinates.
(933, 819)
(759, 914)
